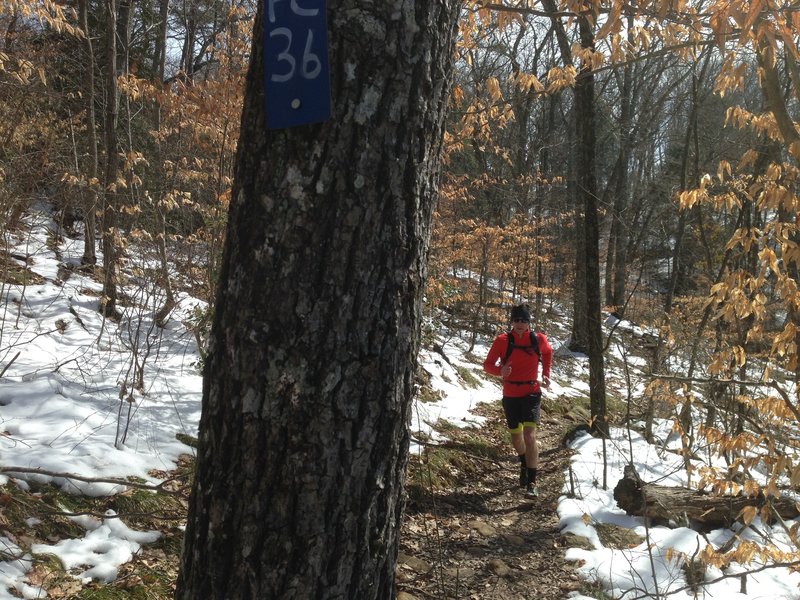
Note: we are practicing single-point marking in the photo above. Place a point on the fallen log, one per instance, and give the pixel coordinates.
(702, 509)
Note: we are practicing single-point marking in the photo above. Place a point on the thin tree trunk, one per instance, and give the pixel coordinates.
(187, 53)
(123, 35)
(158, 68)
(163, 313)
(90, 202)
(679, 235)
(620, 270)
(613, 232)
(579, 340)
(160, 57)
(108, 303)
(579, 334)
(11, 31)
(587, 186)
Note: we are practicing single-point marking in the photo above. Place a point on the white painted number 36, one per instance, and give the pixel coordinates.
(310, 66)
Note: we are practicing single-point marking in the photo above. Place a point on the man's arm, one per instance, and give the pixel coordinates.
(546, 357)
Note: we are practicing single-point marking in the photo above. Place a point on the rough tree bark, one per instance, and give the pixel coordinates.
(304, 434)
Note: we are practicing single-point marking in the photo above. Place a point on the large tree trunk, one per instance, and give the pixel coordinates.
(304, 435)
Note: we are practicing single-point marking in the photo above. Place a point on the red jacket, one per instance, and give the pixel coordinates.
(524, 364)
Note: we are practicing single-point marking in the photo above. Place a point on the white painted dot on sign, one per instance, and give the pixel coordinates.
(296, 103)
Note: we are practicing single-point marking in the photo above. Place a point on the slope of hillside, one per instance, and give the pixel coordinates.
(97, 419)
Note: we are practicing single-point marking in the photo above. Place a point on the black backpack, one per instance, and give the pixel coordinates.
(533, 348)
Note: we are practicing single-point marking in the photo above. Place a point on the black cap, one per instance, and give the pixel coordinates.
(520, 312)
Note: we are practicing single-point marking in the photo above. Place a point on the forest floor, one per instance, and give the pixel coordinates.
(474, 535)
(468, 533)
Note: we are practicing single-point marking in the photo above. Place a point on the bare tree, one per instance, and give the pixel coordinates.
(90, 201)
(108, 303)
(587, 189)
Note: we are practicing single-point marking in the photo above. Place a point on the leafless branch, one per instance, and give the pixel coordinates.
(160, 487)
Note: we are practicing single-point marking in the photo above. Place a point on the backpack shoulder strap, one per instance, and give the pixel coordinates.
(534, 341)
(510, 346)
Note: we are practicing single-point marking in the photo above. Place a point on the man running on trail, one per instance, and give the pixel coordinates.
(515, 356)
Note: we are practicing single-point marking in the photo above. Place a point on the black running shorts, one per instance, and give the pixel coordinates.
(522, 412)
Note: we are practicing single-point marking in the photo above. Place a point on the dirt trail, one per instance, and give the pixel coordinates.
(483, 539)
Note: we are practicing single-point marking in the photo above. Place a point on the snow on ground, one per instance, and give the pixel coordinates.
(64, 408)
(458, 398)
(64, 403)
(653, 568)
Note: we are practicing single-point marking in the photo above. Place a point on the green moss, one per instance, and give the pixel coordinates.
(129, 592)
(435, 470)
(11, 272)
(144, 508)
(48, 571)
(467, 376)
(490, 444)
(185, 472)
(425, 391)
(428, 394)
(485, 376)
(473, 358)
(152, 573)
(576, 408)
(50, 562)
(56, 500)
(171, 542)
(579, 408)
(613, 536)
(189, 440)
(443, 465)
(615, 406)
(577, 541)
(594, 590)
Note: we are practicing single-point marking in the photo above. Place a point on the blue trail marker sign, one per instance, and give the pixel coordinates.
(297, 88)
